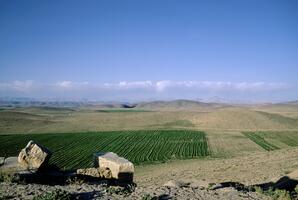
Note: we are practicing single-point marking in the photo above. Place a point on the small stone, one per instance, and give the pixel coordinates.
(175, 184)
(94, 172)
(198, 184)
(215, 186)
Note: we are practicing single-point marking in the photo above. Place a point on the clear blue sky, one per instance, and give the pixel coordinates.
(110, 41)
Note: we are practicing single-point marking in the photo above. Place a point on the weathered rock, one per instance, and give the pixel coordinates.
(199, 184)
(215, 186)
(176, 184)
(34, 156)
(120, 168)
(11, 165)
(2, 160)
(94, 172)
(105, 173)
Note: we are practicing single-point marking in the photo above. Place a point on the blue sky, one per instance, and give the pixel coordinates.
(124, 50)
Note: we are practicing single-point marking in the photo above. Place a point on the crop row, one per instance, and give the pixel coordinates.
(75, 150)
(258, 139)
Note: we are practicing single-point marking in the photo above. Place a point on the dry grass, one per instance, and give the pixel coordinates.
(287, 110)
(39, 120)
(252, 168)
(230, 143)
(242, 119)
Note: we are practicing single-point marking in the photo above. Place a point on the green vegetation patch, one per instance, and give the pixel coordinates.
(259, 140)
(75, 150)
(183, 123)
(280, 119)
(271, 140)
(48, 108)
(55, 195)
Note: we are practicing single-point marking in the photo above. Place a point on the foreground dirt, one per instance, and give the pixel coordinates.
(185, 179)
(250, 169)
(101, 191)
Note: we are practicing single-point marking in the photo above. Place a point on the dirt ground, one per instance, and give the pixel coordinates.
(253, 168)
(184, 179)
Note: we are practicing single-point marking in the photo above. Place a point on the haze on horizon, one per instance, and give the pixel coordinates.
(244, 51)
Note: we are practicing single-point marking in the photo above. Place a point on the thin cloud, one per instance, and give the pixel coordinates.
(213, 85)
(129, 85)
(20, 86)
(70, 85)
(158, 86)
(141, 90)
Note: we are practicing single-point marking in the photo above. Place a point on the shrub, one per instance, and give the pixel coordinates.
(13, 178)
(55, 195)
(275, 194)
(120, 190)
(149, 197)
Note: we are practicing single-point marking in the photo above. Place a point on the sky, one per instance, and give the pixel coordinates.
(117, 50)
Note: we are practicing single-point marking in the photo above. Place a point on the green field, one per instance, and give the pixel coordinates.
(75, 150)
(182, 123)
(272, 140)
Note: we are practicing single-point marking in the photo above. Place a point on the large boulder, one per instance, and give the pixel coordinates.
(120, 168)
(34, 156)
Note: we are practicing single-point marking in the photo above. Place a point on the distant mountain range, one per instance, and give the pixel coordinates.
(214, 102)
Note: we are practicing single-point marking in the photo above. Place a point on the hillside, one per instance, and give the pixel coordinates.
(289, 109)
(179, 105)
(243, 119)
(164, 115)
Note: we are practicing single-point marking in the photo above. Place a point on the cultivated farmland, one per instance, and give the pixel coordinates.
(72, 151)
(272, 140)
(198, 142)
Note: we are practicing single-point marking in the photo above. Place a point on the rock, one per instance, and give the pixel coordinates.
(199, 184)
(11, 165)
(120, 168)
(105, 173)
(227, 189)
(215, 186)
(176, 184)
(2, 160)
(34, 156)
(94, 172)
(171, 184)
